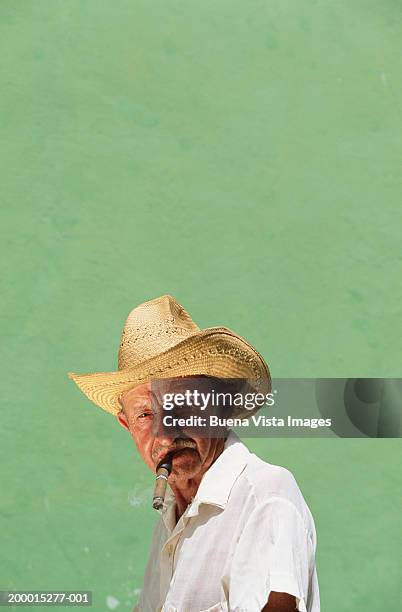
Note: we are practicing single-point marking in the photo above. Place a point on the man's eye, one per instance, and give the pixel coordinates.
(143, 415)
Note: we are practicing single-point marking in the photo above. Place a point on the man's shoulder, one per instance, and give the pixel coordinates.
(270, 483)
(274, 486)
(268, 479)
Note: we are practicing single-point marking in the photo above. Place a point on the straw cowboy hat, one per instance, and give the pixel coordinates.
(160, 340)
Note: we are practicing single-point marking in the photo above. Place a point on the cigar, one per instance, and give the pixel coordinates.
(162, 473)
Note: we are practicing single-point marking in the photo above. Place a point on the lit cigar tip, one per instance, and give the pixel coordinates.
(157, 503)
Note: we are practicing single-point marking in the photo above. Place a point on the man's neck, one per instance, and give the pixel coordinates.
(185, 490)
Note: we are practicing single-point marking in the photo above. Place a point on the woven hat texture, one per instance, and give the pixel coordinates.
(160, 340)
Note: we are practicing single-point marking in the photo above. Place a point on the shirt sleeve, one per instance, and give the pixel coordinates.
(275, 552)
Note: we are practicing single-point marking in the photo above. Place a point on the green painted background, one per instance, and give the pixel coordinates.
(244, 157)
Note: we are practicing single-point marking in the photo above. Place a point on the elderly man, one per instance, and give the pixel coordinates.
(235, 533)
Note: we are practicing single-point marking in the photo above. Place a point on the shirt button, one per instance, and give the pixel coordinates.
(170, 550)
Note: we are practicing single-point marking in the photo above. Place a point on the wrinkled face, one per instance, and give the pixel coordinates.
(195, 454)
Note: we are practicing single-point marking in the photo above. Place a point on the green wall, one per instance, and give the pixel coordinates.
(244, 157)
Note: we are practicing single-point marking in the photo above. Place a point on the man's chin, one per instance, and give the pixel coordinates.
(186, 463)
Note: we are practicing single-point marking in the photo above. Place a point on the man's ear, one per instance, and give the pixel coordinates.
(122, 419)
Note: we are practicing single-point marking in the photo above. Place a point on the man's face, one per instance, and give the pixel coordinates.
(196, 454)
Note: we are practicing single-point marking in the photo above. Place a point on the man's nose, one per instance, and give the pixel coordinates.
(165, 440)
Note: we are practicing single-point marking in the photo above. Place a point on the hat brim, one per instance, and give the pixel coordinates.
(214, 351)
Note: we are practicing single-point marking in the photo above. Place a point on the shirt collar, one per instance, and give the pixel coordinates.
(217, 482)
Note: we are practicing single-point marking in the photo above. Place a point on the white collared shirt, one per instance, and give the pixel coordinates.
(247, 532)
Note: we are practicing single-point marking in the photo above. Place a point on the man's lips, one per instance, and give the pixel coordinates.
(175, 451)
